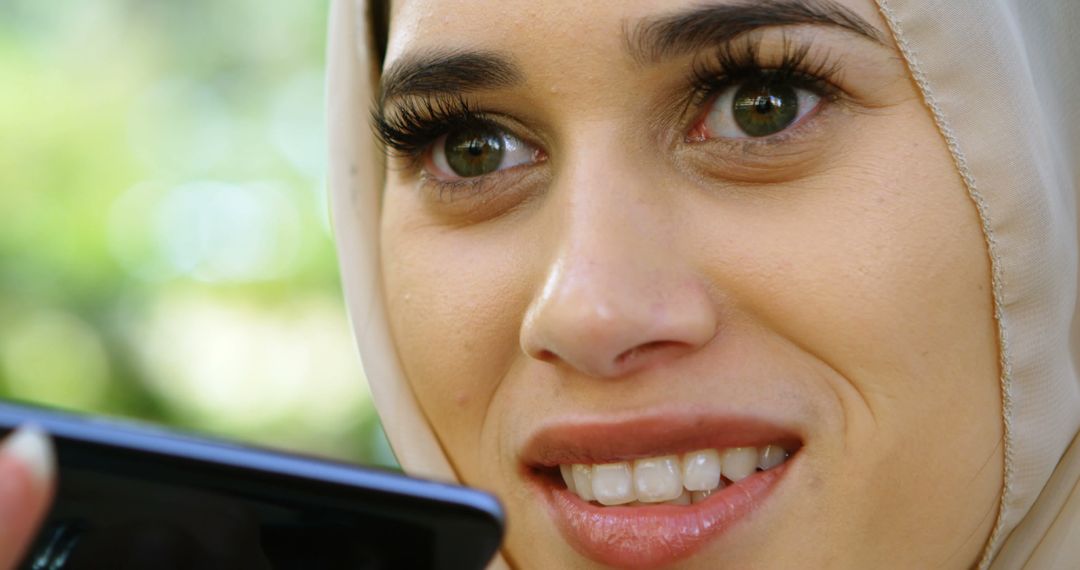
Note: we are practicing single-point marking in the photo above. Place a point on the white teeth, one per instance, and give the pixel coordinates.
(683, 499)
(567, 472)
(739, 462)
(657, 479)
(613, 483)
(701, 470)
(583, 481)
(668, 479)
(770, 456)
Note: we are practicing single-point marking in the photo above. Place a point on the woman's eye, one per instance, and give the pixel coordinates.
(477, 150)
(758, 108)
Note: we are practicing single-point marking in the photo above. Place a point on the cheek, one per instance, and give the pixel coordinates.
(878, 270)
(877, 274)
(455, 304)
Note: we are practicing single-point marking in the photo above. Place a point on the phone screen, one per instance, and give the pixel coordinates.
(135, 498)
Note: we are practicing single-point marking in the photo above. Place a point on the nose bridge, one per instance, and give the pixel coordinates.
(612, 224)
(616, 295)
(610, 202)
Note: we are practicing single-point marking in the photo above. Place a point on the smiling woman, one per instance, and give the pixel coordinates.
(780, 284)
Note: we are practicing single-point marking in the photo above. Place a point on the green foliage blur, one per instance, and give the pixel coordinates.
(165, 252)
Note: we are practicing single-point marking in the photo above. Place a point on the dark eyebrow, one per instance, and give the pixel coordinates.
(654, 40)
(447, 72)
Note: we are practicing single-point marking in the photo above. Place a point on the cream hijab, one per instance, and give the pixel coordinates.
(1002, 79)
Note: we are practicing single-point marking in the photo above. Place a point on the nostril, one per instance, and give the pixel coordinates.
(643, 350)
(546, 356)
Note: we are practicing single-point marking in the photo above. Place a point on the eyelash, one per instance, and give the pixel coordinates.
(733, 64)
(417, 123)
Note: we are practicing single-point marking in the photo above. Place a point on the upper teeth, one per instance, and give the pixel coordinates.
(668, 478)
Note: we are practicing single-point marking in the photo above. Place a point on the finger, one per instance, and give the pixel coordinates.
(27, 473)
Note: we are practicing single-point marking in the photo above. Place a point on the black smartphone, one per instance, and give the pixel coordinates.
(132, 496)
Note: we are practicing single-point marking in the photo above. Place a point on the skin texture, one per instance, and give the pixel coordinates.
(835, 280)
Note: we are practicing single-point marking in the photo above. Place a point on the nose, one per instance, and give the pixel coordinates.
(619, 295)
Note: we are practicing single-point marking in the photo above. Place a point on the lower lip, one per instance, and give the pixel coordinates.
(642, 537)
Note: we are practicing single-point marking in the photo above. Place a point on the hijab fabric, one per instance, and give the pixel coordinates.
(1002, 80)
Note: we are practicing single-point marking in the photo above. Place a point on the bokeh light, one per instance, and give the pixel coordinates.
(165, 251)
(54, 358)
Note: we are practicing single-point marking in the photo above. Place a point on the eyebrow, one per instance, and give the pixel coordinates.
(442, 72)
(447, 72)
(654, 40)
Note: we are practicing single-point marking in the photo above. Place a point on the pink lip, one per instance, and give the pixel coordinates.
(649, 536)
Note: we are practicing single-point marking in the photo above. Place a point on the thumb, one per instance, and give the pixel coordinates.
(27, 479)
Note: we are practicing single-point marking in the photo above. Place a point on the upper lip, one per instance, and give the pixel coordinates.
(626, 437)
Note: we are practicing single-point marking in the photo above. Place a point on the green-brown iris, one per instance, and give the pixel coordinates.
(764, 108)
(474, 151)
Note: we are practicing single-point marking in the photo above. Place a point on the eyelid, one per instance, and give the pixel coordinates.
(734, 65)
(742, 60)
(471, 200)
(409, 127)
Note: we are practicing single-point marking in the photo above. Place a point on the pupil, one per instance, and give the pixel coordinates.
(761, 109)
(763, 104)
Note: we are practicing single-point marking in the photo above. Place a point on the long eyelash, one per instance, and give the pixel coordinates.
(416, 122)
(735, 62)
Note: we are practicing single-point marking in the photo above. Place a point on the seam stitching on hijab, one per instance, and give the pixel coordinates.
(960, 160)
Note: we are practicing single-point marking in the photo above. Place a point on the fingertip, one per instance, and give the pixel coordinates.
(32, 447)
(27, 475)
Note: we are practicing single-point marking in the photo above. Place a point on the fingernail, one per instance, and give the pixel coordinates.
(33, 448)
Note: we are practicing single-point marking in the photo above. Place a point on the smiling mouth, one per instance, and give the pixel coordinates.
(669, 479)
(619, 502)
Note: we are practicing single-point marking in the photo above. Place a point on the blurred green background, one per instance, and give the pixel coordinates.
(165, 252)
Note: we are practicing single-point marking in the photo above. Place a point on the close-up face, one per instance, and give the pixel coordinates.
(690, 284)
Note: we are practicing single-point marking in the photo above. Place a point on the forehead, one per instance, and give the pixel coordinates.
(566, 30)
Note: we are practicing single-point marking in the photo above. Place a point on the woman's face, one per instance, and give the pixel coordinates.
(632, 240)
